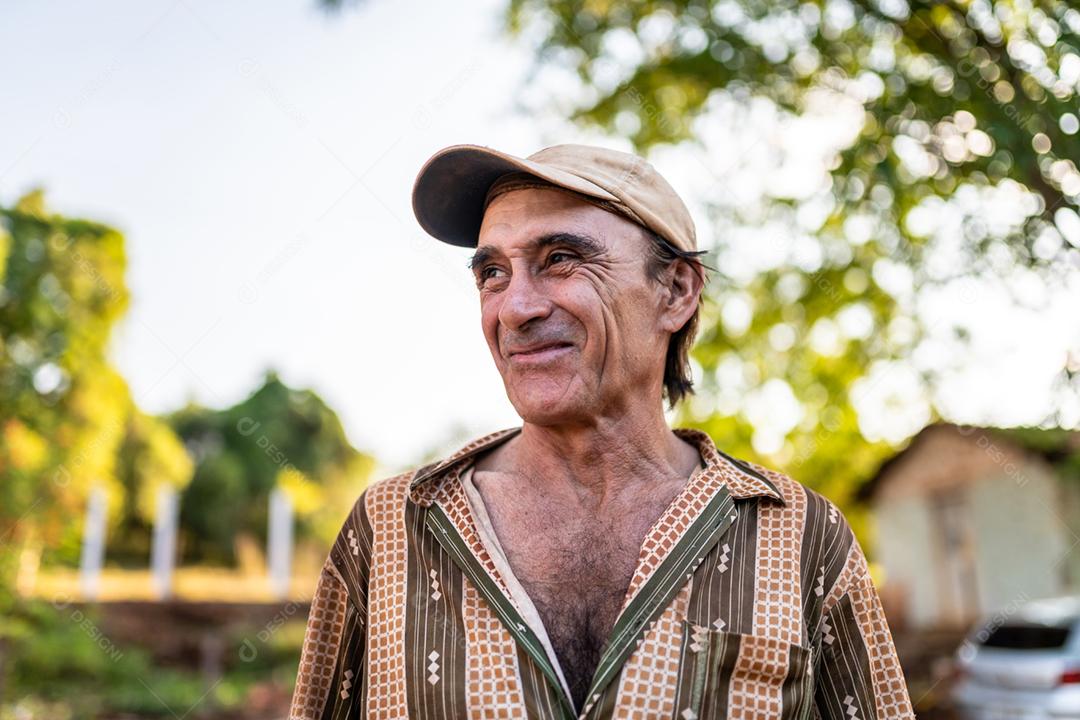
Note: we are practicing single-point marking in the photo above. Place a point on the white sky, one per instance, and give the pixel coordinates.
(259, 158)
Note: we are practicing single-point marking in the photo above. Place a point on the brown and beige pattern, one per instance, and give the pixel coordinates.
(652, 669)
(318, 661)
(455, 504)
(779, 620)
(758, 676)
(387, 598)
(669, 527)
(493, 678)
(889, 688)
(779, 538)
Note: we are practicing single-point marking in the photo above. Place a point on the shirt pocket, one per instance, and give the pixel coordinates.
(736, 675)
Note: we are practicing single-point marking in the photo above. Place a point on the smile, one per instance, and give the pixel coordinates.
(540, 354)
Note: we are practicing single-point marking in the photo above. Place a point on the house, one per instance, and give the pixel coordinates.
(972, 521)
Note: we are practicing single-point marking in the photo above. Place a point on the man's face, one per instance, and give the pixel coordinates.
(577, 328)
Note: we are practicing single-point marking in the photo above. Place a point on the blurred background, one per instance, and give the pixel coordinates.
(219, 320)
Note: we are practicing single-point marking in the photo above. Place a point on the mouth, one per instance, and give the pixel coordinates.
(540, 353)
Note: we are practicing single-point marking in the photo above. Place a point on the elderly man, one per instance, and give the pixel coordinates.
(593, 563)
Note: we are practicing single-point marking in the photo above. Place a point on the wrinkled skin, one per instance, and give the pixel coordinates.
(578, 331)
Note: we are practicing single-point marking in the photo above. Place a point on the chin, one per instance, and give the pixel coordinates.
(546, 403)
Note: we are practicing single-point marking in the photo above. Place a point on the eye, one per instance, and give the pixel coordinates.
(489, 277)
(559, 256)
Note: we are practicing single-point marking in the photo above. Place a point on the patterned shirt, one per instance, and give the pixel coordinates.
(751, 598)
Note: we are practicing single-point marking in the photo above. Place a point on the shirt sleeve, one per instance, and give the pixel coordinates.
(858, 673)
(327, 682)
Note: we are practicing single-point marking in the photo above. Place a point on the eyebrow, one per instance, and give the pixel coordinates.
(585, 244)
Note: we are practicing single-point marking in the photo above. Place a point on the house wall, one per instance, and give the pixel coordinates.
(1020, 531)
(1022, 521)
(904, 535)
(943, 459)
(1069, 494)
(909, 542)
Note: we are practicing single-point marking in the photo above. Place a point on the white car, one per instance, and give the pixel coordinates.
(1024, 664)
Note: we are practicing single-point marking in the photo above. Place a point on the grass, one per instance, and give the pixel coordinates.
(61, 666)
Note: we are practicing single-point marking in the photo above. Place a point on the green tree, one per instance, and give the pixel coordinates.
(150, 455)
(67, 421)
(62, 406)
(279, 436)
(954, 100)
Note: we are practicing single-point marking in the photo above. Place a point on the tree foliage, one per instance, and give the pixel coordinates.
(279, 436)
(68, 423)
(961, 107)
(65, 413)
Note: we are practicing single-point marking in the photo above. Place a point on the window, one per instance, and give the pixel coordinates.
(1027, 637)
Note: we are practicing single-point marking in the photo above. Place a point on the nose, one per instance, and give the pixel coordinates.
(523, 301)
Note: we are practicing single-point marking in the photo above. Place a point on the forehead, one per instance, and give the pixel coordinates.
(516, 218)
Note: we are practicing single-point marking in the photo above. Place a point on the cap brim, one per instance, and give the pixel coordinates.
(448, 195)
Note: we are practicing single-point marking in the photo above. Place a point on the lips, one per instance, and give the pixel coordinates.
(538, 349)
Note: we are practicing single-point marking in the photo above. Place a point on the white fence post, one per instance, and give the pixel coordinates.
(279, 543)
(163, 547)
(93, 544)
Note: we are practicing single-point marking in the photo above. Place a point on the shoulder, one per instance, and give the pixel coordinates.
(801, 498)
(821, 522)
(383, 496)
(385, 501)
(373, 508)
(831, 557)
(378, 503)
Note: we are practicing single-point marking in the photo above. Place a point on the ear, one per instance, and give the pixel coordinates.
(683, 283)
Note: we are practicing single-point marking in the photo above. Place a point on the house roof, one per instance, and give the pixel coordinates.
(1057, 446)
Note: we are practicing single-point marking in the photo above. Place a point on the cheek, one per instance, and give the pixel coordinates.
(640, 303)
(585, 307)
(489, 319)
(596, 303)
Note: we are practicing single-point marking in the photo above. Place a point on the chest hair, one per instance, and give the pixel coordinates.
(576, 569)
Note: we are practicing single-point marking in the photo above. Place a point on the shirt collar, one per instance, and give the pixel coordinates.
(742, 480)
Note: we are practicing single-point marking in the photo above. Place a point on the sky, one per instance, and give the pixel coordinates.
(259, 158)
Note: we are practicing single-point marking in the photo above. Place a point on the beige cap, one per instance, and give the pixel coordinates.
(449, 193)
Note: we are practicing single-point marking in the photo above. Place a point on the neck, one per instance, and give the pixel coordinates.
(606, 455)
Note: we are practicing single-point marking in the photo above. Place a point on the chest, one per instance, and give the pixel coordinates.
(572, 556)
(575, 569)
(575, 565)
